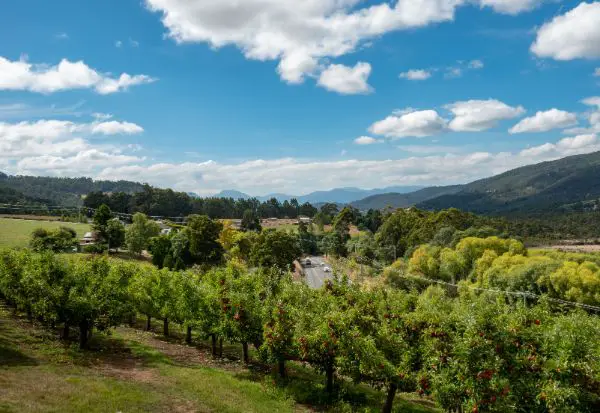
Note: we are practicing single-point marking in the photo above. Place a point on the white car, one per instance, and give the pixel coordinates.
(322, 264)
(327, 269)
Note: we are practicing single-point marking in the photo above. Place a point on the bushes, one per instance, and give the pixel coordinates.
(471, 353)
(505, 264)
(60, 240)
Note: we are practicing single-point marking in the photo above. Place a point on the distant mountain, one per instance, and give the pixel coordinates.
(541, 188)
(63, 191)
(337, 195)
(399, 200)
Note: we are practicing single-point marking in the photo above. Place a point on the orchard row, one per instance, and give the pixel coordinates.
(469, 353)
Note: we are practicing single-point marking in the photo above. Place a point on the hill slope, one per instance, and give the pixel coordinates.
(539, 188)
(62, 191)
(399, 200)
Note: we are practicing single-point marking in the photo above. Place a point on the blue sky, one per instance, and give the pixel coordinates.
(275, 96)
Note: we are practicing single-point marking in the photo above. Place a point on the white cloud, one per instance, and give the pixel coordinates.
(102, 116)
(476, 64)
(416, 74)
(57, 138)
(62, 36)
(410, 123)
(511, 6)
(545, 121)
(118, 44)
(573, 35)
(302, 176)
(565, 147)
(133, 43)
(22, 75)
(366, 140)
(592, 116)
(347, 80)
(115, 128)
(305, 34)
(453, 72)
(480, 115)
(597, 72)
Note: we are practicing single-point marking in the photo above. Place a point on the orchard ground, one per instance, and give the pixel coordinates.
(17, 232)
(136, 371)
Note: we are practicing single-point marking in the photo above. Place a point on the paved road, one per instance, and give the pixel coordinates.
(315, 276)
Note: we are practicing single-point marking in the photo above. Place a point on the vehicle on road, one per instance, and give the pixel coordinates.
(308, 262)
(327, 269)
(322, 264)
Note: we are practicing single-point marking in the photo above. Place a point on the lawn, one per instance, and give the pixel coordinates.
(136, 371)
(17, 232)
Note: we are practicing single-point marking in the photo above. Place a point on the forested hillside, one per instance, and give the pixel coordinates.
(404, 200)
(59, 191)
(557, 186)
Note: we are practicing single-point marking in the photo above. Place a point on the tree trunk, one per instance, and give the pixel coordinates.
(281, 368)
(389, 401)
(220, 348)
(245, 351)
(213, 338)
(65, 332)
(148, 323)
(329, 374)
(188, 335)
(132, 320)
(83, 334)
(166, 327)
(90, 331)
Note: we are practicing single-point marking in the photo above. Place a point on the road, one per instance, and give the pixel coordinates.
(315, 276)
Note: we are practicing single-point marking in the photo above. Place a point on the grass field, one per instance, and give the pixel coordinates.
(137, 371)
(17, 232)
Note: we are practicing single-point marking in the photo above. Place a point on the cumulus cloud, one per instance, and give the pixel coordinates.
(282, 175)
(545, 121)
(597, 72)
(416, 74)
(346, 80)
(573, 35)
(303, 35)
(592, 116)
(67, 75)
(366, 140)
(40, 146)
(511, 6)
(114, 127)
(410, 123)
(565, 147)
(480, 115)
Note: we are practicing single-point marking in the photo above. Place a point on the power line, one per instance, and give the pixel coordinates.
(524, 294)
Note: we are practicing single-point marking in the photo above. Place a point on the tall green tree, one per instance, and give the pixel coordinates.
(115, 232)
(140, 232)
(101, 218)
(204, 239)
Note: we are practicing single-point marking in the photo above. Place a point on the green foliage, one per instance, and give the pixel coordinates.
(59, 240)
(251, 221)
(203, 234)
(274, 248)
(140, 232)
(101, 218)
(115, 232)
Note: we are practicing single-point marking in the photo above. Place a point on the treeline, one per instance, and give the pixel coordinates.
(62, 191)
(475, 353)
(168, 203)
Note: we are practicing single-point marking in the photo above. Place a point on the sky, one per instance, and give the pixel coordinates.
(295, 96)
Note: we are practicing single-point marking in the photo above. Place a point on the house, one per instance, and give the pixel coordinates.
(89, 238)
(304, 220)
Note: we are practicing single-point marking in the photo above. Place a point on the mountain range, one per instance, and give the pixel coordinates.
(563, 185)
(337, 195)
